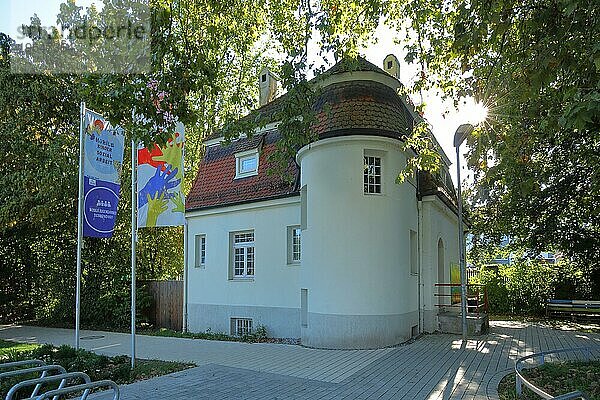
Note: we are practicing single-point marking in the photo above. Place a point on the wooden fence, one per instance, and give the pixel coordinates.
(166, 310)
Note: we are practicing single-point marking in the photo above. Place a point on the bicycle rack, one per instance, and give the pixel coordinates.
(15, 369)
(85, 387)
(39, 382)
(43, 369)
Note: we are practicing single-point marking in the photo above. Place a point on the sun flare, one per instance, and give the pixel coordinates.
(475, 112)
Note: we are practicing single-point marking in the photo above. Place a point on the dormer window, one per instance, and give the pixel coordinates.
(246, 163)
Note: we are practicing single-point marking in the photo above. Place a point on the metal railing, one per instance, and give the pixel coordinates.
(581, 353)
(24, 369)
(477, 299)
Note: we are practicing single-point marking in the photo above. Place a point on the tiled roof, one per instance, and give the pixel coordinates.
(344, 108)
(350, 65)
(360, 105)
(345, 65)
(215, 184)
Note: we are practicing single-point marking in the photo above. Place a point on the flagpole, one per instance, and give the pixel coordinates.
(133, 243)
(79, 224)
(185, 255)
(185, 277)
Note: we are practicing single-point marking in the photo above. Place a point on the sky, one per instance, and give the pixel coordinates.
(442, 115)
(15, 12)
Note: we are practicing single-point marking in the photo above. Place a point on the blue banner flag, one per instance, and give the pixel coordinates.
(102, 168)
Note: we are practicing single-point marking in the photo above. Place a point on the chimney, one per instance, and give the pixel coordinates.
(392, 66)
(268, 85)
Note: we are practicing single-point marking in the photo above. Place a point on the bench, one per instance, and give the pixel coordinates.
(588, 310)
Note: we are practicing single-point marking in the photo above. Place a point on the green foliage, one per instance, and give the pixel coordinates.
(259, 335)
(556, 379)
(426, 156)
(529, 285)
(97, 366)
(523, 287)
(496, 290)
(7, 349)
(537, 157)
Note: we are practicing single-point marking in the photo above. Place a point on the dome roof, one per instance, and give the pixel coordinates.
(361, 107)
(353, 65)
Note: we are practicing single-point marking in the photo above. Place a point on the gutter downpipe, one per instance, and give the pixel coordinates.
(420, 301)
(185, 276)
(420, 279)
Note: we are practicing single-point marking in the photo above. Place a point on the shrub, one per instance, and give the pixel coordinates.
(259, 335)
(97, 366)
(496, 289)
(529, 285)
(524, 286)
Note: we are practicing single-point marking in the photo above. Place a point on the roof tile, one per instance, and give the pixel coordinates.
(216, 185)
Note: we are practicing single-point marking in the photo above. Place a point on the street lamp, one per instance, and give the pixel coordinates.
(459, 136)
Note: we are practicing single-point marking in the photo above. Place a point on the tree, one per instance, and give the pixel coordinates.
(203, 68)
(536, 64)
(38, 126)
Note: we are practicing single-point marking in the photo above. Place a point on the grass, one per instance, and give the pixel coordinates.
(556, 379)
(98, 367)
(9, 348)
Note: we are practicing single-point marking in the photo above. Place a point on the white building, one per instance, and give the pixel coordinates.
(339, 254)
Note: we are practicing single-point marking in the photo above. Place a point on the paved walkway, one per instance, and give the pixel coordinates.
(433, 367)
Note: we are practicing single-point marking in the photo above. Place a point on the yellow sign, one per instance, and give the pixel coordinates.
(455, 279)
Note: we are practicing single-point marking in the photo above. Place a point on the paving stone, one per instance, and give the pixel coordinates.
(433, 367)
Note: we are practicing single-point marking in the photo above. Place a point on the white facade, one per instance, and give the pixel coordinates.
(439, 251)
(356, 246)
(214, 296)
(371, 249)
(357, 285)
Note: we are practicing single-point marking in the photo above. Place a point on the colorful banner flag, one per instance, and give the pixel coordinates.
(160, 173)
(103, 163)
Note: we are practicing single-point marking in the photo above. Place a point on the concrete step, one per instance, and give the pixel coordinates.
(451, 322)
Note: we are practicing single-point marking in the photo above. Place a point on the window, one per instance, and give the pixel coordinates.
(372, 174)
(294, 235)
(241, 326)
(243, 255)
(246, 163)
(414, 331)
(200, 250)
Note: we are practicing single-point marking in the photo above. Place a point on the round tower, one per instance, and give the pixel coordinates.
(359, 275)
